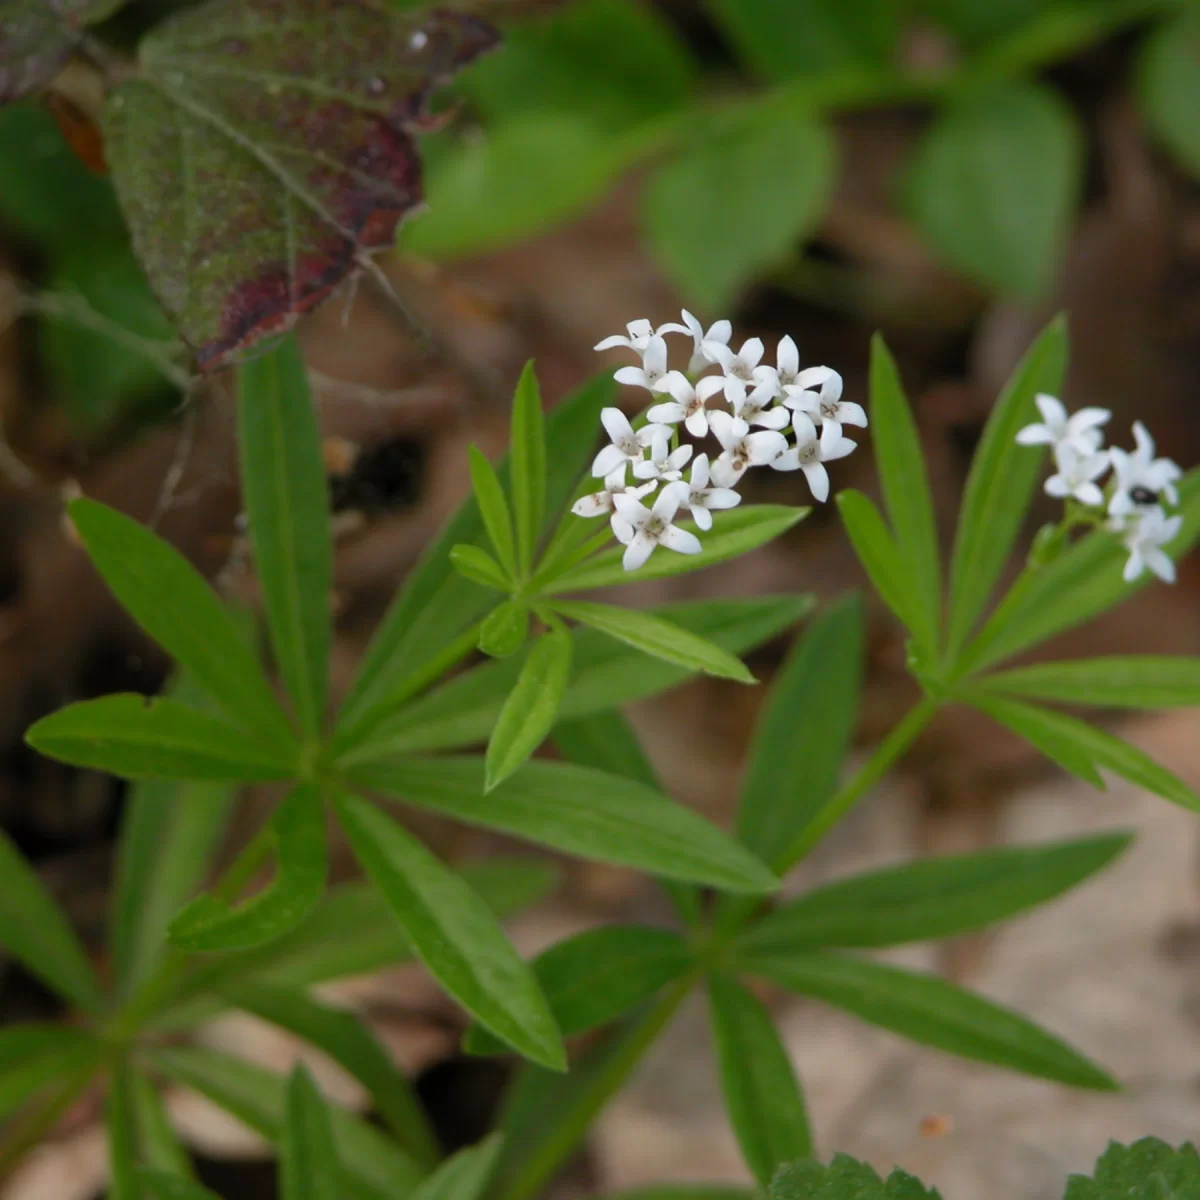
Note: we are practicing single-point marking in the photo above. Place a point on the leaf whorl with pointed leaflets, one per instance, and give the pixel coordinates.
(267, 146)
(37, 37)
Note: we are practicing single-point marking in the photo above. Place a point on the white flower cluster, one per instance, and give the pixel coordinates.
(779, 399)
(1132, 498)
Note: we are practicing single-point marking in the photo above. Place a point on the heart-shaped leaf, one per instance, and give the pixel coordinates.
(267, 146)
(37, 37)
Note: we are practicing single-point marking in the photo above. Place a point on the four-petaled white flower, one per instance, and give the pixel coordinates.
(741, 450)
(640, 529)
(719, 332)
(652, 373)
(640, 333)
(786, 370)
(688, 404)
(627, 444)
(825, 404)
(1077, 474)
(600, 504)
(661, 466)
(696, 495)
(738, 368)
(756, 409)
(1080, 430)
(1141, 476)
(811, 452)
(1144, 538)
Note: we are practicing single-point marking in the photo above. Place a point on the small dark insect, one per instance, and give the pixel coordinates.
(1143, 495)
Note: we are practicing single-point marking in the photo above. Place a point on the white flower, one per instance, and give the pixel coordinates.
(1144, 538)
(742, 450)
(827, 404)
(599, 504)
(1141, 476)
(640, 333)
(1077, 474)
(661, 466)
(810, 453)
(652, 373)
(755, 409)
(640, 529)
(627, 445)
(738, 368)
(785, 373)
(697, 496)
(719, 333)
(1080, 430)
(689, 403)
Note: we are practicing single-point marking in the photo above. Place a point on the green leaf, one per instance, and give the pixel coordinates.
(762, 1095)
(599, 975)
(373, 1164)
(994, 185)
(479, 567)
(932, 1011)
(1000, 485)
(802, 738)
(845, 1179)
(497, 520)
(1082, 583)
(464, 1175)
(605, 673)
(1148, 1168)
(528, 455)
(505, 630)
(161, 1185)
(764, 169)
(160, 1147)
(35, 1056)
(234, 94)
(1126, 681)
(169, 833)
(788, 39)
(308, 1166)
(453, 933)
(929, 898)
(350, 1043)
(436, 603)
(579, 811)
(531, 707)
(121, 1120)
(878, 555)
(36, 932)
(734, 533)
(298, 827)
(906, 495)
(1050, 730)
(170, 600)
(37, 38)
(1169, 86)
(657, 638)
(287, 503)
(139, 737)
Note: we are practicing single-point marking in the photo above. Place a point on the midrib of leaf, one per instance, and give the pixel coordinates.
(275, 82)
(133, 735)
(190, 202)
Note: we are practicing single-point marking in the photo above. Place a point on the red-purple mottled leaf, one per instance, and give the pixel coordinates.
(267, 146)
(37, 37)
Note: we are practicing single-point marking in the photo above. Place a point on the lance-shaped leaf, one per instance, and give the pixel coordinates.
(464, 1175)
(528, 456)
(34, 1056)
(845, 1179)
(1147, 1168)
(121, 1120)
(604, 673)
(531, 707)
(37, 37)
(453, 933)
(171, 601)
(762, 1094)
(308, 1167)
(879, 555)
(285, 493)
(493, 507)
(305, 112)
(930, 898)
(36, 932)
(599, 975)
(1128, 681)
(657, 638)
(374, 1165)
(932, 1011)
(1000, 484)
(349, 1042)
(157, 1140)
(436, 602)
(580, 811)
(298, 826)
(138, 737)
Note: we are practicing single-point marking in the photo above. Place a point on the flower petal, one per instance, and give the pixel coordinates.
(697, 423)
(1035, 435)
(806, 431)
(1052, 409)
(818, 480)
(721, 423)
(670, 413)
(1089, 493)
(774, 418)
(700, 472)
(631, 509)
(702, 517)
(719, 331)
(612, 342)
(680, 540)
(1134, 567)
(608, 460)
(718, 353)
(637, 551)
(850, 413)
(813, 377)
(709, 386)
(595, 505)
(1160, 564)
(655, 356)
(667, 505)
(787, 357)
(632, 377)
(721, 498)
(751, 352)
(764, 446)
